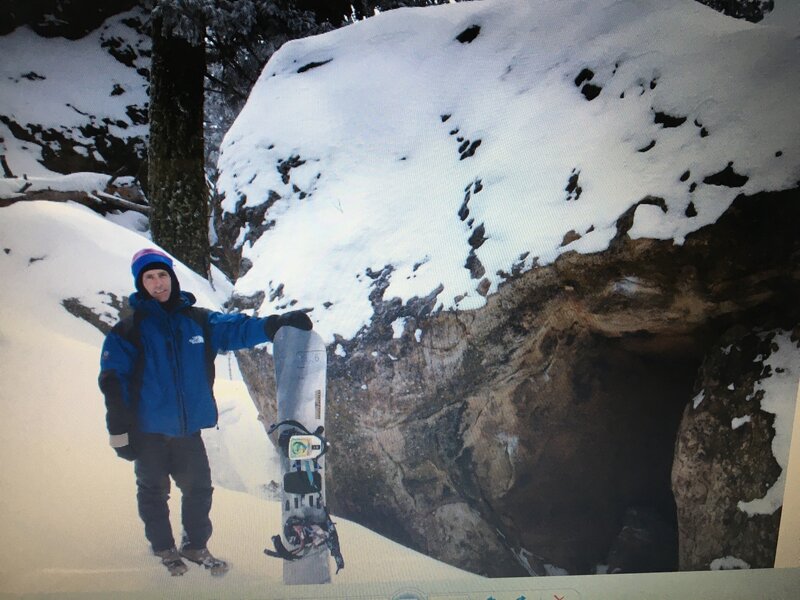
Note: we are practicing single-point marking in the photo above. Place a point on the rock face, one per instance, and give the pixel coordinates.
(540, 430)
(724, 457)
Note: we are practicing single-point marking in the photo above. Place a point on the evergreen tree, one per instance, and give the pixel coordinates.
(176, 184)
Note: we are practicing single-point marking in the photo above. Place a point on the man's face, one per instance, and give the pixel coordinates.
(158, 284)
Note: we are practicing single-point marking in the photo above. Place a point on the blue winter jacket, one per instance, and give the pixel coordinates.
(157, 367)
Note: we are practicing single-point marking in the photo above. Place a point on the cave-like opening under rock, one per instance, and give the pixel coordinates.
(601, 438)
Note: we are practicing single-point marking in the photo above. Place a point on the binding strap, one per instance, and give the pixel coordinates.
(297, 424)
(280, 550)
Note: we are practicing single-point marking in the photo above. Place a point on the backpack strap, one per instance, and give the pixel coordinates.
(129, 329)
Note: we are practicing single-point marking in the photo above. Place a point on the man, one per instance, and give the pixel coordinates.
(157, 376)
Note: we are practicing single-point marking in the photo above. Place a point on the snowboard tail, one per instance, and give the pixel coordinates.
(308, 535)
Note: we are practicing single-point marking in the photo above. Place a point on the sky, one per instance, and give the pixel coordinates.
(383, 182)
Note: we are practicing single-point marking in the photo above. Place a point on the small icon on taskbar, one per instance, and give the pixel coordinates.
(409, 594)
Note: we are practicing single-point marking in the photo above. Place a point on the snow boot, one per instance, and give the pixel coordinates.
(171, 559)
(204, 558)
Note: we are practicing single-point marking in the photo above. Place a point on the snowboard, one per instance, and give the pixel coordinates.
(308, 534)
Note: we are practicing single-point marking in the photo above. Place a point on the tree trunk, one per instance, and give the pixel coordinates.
(176, 179)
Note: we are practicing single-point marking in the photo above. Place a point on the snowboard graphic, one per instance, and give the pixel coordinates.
(308, 534)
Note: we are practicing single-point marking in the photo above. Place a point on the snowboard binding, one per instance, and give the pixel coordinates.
(298, 443)
(304, 537)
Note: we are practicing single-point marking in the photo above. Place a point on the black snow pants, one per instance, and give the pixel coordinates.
(160, 457)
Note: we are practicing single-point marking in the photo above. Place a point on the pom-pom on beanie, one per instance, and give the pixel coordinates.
(148, 259)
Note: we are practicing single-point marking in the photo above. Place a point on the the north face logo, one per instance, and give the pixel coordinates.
(197, 339)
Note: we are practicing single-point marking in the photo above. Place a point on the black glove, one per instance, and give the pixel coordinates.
(123, 446)
(295, 318)
(127, 452)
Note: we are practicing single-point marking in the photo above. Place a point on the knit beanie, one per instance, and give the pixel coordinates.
(147, 260)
